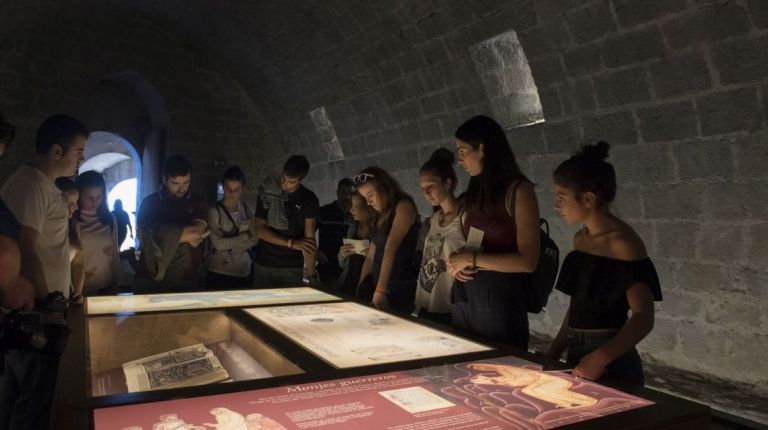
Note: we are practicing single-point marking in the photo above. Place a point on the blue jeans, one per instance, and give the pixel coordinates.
(627, 368)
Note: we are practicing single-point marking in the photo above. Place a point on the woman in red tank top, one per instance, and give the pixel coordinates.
(488, 298)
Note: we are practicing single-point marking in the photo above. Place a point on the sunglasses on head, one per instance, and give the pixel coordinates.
(361, 178)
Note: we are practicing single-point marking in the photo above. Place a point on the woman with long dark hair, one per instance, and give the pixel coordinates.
(502, 212)
(392, 256)
(98, 234)
(607, 275)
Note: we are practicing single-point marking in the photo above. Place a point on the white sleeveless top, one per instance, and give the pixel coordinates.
(434, 288)
(101, 258)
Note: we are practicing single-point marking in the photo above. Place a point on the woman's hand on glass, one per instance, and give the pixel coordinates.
(592, 366)
(380, 300)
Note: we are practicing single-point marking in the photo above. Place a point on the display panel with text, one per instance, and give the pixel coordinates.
(499, 393)
(350, 335)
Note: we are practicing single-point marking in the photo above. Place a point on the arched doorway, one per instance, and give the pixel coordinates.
(153, 138)
(115, 157)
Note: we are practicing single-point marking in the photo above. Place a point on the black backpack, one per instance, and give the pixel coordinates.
(538, 284)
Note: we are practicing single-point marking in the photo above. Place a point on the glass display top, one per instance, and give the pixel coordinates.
(202, 300)
(347, 334)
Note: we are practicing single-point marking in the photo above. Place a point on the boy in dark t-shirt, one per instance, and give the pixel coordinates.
(333, 223)
(286, 218)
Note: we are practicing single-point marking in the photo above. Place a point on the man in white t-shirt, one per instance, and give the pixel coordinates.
(29, 378)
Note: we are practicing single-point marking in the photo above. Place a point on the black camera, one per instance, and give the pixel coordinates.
(26, 331)
(52, 303)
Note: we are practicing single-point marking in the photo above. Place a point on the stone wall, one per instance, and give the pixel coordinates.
(676, 87)
(681, 100)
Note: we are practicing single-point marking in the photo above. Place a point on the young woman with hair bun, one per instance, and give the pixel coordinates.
(438, 181)
(607, 275)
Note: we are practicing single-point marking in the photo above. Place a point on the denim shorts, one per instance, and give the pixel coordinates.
(627, 369)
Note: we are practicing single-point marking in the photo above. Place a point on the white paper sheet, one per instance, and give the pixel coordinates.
(349, 334)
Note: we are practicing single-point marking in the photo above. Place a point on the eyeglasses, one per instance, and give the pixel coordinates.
(361, 178)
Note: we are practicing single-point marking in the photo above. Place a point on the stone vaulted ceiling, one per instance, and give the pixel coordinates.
(259, 42)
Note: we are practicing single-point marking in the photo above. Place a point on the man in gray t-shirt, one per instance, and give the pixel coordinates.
(29, 378)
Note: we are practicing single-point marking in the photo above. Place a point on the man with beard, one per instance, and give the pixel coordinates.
(171, 225)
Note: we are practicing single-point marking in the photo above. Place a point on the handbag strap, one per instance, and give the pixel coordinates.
(511, 196)
(235, 227)
(510, 204)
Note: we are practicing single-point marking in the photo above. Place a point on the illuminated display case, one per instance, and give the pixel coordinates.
(349, 335)
(503, 392)
(165, 351)
(142, 303)
(266, 350)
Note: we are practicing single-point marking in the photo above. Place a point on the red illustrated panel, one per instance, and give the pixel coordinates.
(499, 393)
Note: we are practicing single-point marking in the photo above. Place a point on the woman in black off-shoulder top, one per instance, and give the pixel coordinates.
(607, 276)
